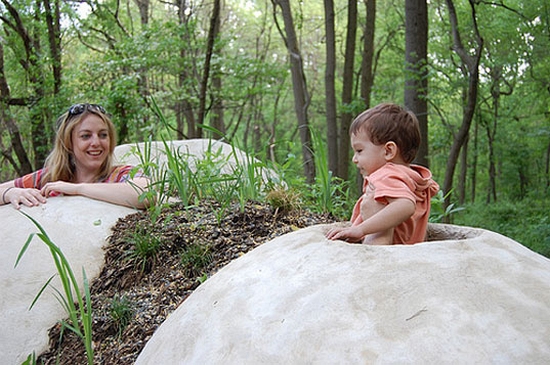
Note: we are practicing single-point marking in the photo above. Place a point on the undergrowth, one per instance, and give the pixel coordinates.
(526, 221)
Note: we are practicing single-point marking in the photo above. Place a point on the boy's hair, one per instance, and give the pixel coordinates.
(390, 122)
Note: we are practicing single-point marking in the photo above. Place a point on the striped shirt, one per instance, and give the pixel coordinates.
(34, 180)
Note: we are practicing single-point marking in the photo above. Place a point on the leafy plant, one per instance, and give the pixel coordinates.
(438, 212)
(80, 316)
(121, 312)
(525, 221)
(145, 247)
(283, 199)
(30, 360)
(196, 258)
(253, 176)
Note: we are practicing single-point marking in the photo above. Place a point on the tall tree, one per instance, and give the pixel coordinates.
(212, 35)
(52, 14)
(24, 29)
(299, 87)
(347, 92)
(367, 59)
(217, 118)
(22, 165)
(416, 75)
(470, 67)
(183, 104)
(143, 79)
(330, 91)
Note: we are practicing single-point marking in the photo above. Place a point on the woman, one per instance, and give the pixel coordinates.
(81, 163)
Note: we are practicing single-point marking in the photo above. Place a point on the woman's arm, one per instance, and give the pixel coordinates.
(123, 193)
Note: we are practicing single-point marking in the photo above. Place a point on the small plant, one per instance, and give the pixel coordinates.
(438, 212)
(30, 360)
(144, 247)
(196, 258)
(252, 176)
(179, 175)
(283, 199)
(121, 312)
(80, 316)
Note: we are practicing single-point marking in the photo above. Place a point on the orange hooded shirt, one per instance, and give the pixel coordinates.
(412, 182)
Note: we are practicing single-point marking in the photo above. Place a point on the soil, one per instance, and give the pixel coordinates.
(153, 262)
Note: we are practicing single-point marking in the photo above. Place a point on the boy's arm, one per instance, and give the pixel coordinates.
(389, 216)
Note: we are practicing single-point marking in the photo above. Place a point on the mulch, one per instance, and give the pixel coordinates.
(154, 261)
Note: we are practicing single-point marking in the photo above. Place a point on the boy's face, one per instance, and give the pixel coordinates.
(367, 156)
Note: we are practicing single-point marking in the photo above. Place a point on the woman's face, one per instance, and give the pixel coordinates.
(91, 144)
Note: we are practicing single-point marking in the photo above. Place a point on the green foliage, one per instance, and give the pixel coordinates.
(144, 248)
(30, 360)
(148, 75)
(438, 211)
(196, 258)
(217, 176)
(284, 199)
(80, 316)
(121, 312)
(526, 221)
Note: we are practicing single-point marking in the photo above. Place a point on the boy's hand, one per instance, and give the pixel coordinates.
(350, 234)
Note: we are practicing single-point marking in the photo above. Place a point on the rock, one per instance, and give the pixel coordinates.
(470, 296)
(227, 158)
(80, 227)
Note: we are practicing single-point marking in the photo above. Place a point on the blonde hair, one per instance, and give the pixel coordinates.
(59, 164)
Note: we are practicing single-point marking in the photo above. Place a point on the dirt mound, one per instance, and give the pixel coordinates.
(152, 264)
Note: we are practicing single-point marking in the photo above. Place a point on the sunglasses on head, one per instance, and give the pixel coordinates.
(77, 109)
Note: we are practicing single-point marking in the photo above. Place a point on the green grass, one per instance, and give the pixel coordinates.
(77, 308)
(144, 247)
(196, 259)
(121, 311)
(526, 221)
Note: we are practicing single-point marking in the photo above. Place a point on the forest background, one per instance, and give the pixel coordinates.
(283, 80)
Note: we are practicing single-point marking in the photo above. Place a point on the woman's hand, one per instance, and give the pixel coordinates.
(27, 197)
(55, 188)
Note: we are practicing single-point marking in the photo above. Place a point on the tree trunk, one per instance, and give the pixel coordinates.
(330, 91)
(367, 74)
(491, 189)
(471, 62)
(36, 65)
(473, 181)
(143, 7)
(183, 106)
(416, 76)
(54, 38)
(217, 118)
(463, 173)
(143, 79)
(347, 93)
(23, 164)
(301, 96)
(547, 168)
(212, 35)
